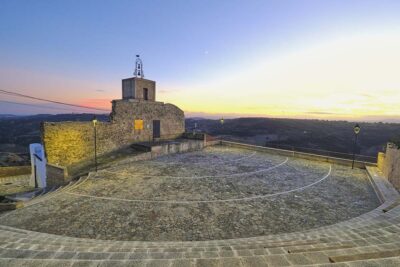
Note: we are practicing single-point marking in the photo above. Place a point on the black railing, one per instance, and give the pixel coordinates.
(323, 152)
(316, 151)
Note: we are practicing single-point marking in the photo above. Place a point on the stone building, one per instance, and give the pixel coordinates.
(138, 88)
(137, 117)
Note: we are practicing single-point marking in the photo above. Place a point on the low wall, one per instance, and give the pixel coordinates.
(212, 143)
(288, 153)
(14, 170)
(176, 147)
(389, 164)
(56, 175)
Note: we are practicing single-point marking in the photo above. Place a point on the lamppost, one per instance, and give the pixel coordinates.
(221, 121)
(195, 128)
(95, 141)
(357, 130)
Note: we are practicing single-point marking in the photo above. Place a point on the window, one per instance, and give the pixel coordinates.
(138, 125)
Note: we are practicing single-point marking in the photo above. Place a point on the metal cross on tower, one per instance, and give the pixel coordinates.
(138, 68)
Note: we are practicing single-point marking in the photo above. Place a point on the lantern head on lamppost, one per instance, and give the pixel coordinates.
(221, 121)
(357, 129)
(94, 121)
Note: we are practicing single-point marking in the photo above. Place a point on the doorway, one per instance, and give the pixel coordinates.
(156, 129)
(145, 94)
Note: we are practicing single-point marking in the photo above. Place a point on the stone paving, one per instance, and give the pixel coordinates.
(217, 193)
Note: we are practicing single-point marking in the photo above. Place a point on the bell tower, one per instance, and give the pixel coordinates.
(137, 87)
(138, 67)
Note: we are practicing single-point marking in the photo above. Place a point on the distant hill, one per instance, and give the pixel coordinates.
(17, 132)
(312, 134)
(6, 116)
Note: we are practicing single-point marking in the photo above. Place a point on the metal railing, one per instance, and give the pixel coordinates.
(322, 152)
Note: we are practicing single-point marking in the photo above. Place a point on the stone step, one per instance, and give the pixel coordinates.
(60, 253)
(234, 262)
(100, 249)
(367, 230)
(370, 230)
(281, 258)
(392, 206)
(386, 262)
(348, 228)
(256, 248)
(50, 195)
(43, 245)
(44, 197)
(62, 242)
(366, 256)
(58, 259)
(27, 239)
(228, 262)
(328, 233)
(320, 249)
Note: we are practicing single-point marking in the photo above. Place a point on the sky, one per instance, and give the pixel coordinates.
(336, 60)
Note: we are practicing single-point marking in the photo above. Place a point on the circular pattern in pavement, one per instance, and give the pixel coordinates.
(217, 193)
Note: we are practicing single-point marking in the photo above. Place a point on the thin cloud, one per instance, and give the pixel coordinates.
(321, 113)
(96, 102)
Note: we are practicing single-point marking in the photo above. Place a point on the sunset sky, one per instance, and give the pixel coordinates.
(297, 59)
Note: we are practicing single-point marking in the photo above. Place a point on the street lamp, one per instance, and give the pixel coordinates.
(357, 130)
(221, 121)
(195, 128)
(95, 141)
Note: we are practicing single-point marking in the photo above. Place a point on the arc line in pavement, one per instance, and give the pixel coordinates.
(218, 160)
(208, 201)
(208, 176)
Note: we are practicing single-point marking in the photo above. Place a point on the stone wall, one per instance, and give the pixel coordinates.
(125, 112)
(71, 143)
(133, 88)
(56, 175)
(389, 164)
(14, 170)
(176, 147)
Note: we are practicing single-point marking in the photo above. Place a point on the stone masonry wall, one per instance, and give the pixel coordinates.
(143, 83)
(14, 170)
(389, 164)
(69, 143)
(172, 119)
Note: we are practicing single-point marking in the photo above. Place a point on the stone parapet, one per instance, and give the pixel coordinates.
(389, 164)
(176, 147)
(56, 175)
(14, 170)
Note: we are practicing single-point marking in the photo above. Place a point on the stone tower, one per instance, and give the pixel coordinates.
(138, 88)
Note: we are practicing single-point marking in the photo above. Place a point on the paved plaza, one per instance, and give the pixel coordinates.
(217, 193)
